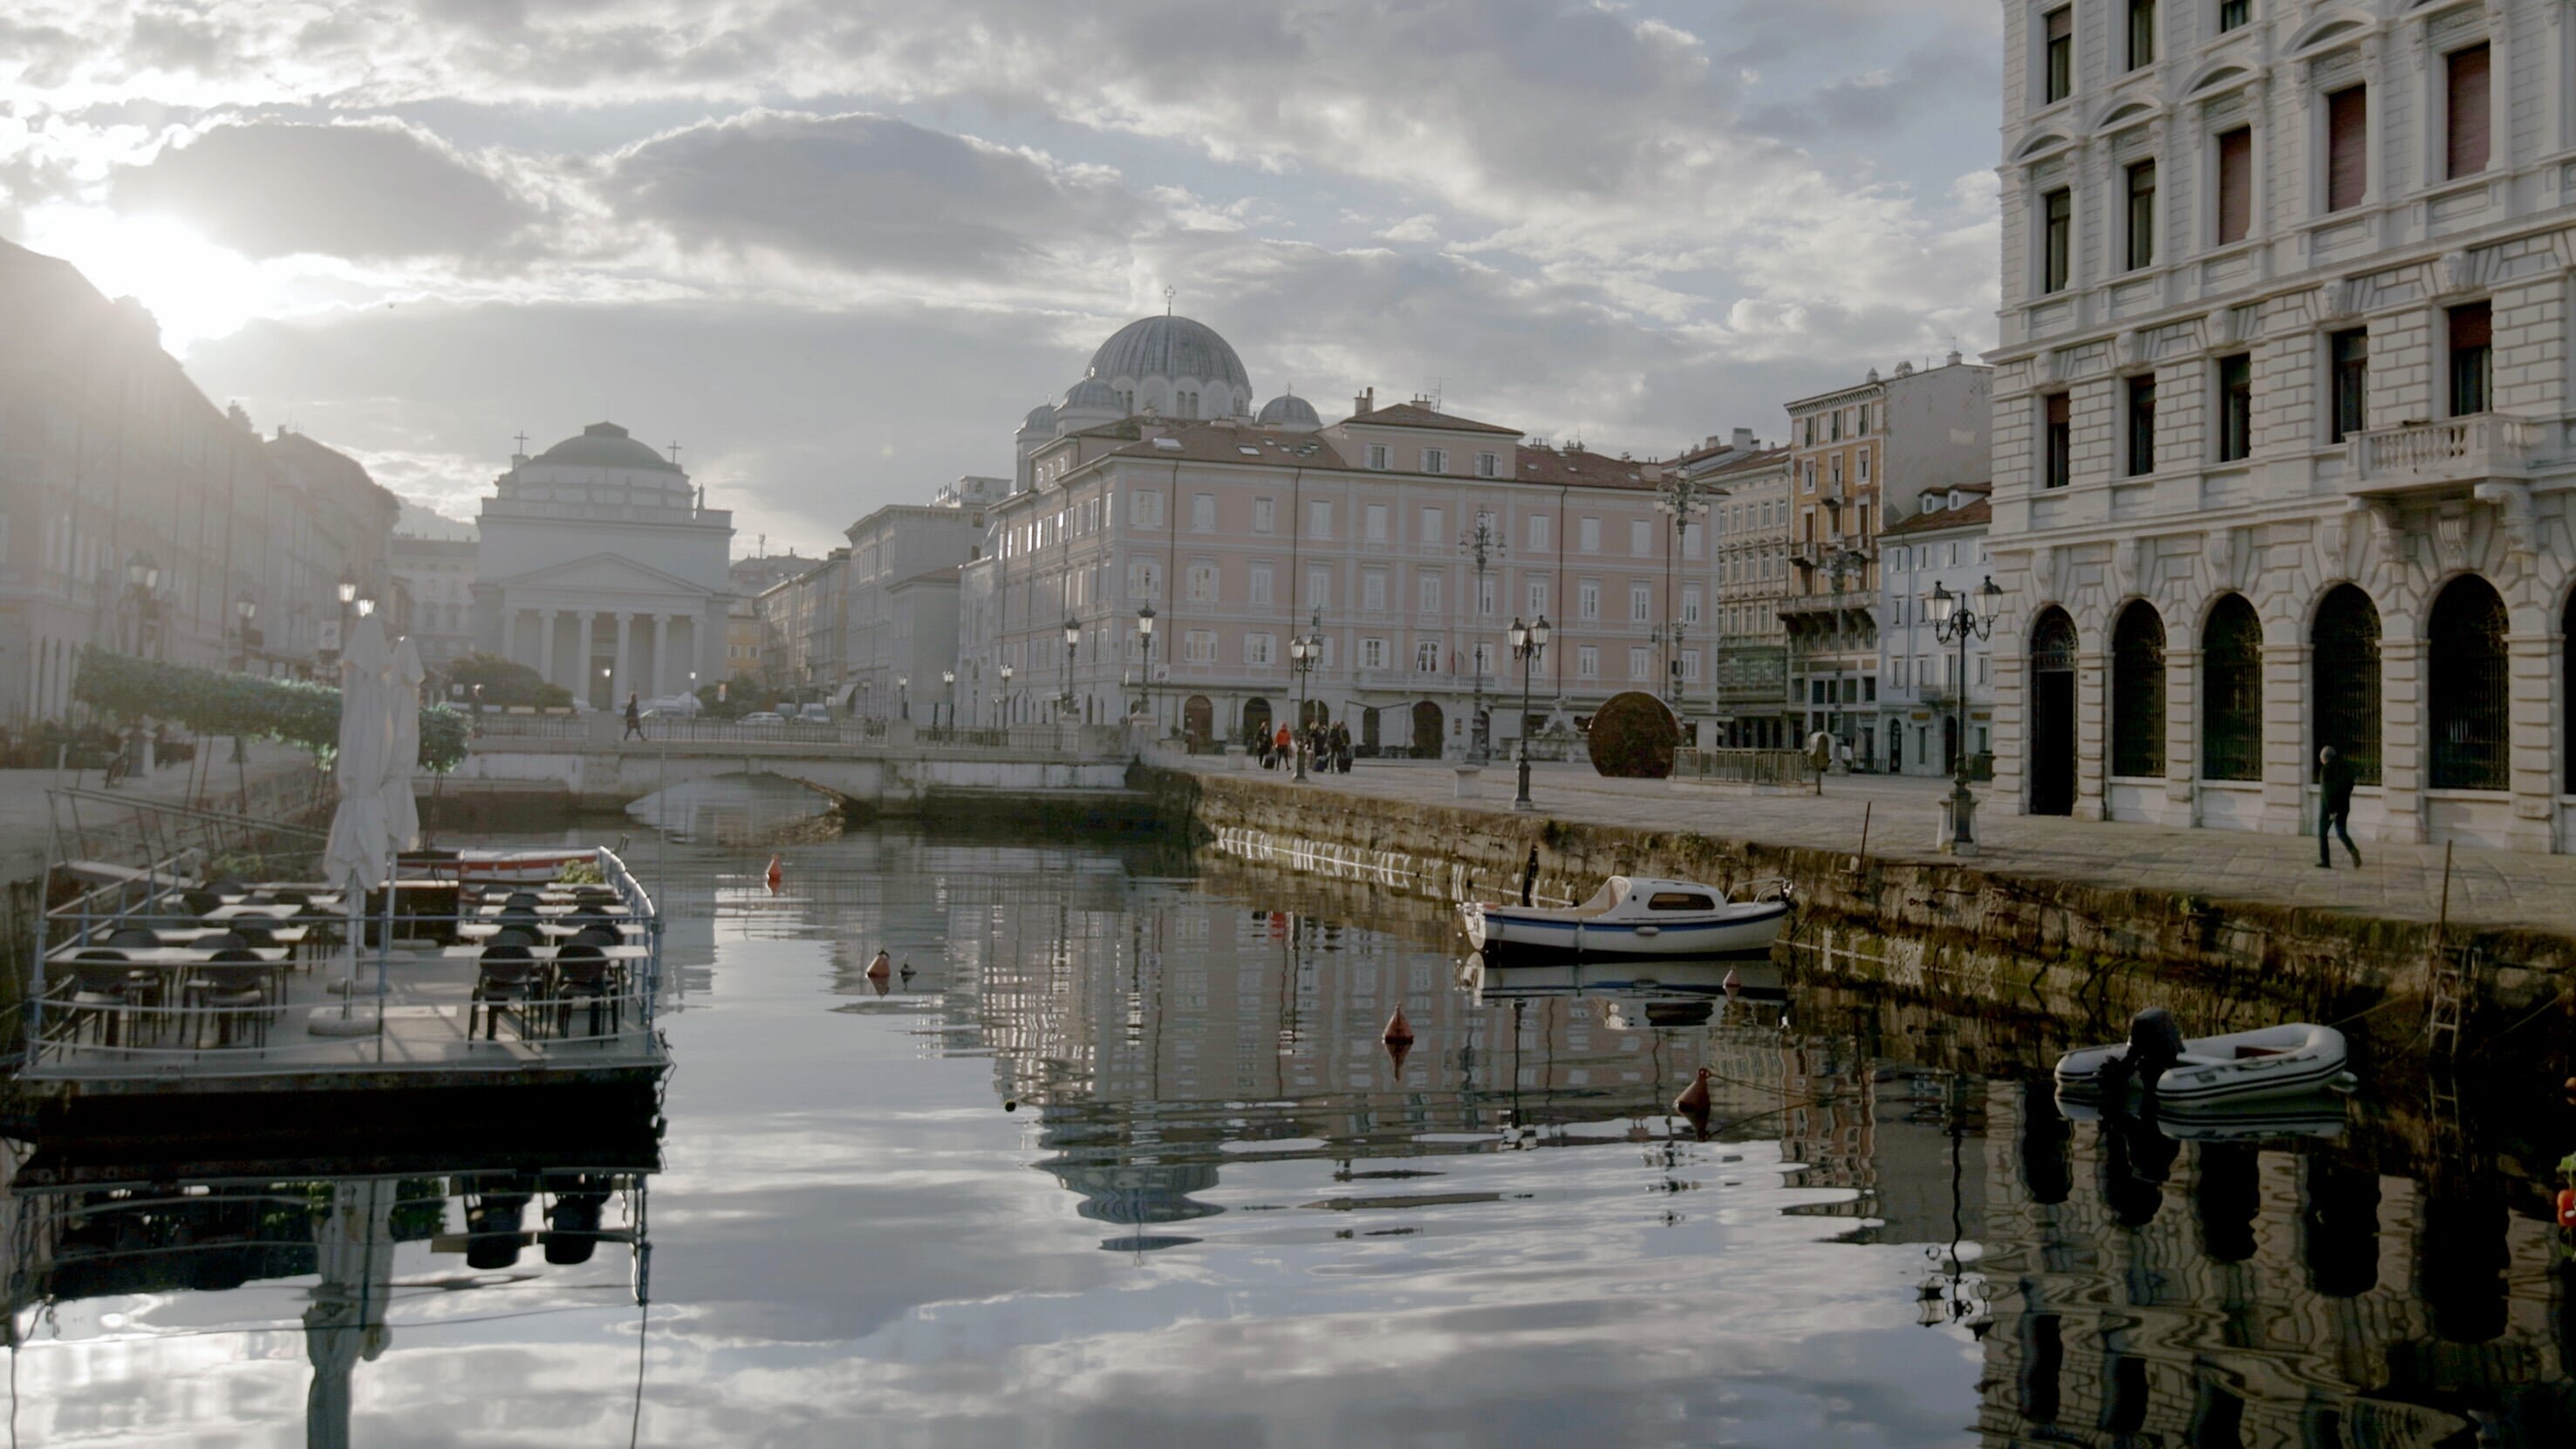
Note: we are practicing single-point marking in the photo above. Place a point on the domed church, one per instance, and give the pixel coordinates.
(1175, 368)
(600, 567)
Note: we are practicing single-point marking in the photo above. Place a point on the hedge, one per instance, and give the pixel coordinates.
(216, 702)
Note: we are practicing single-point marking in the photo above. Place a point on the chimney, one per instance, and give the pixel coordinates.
(1743, 440)
(1953, 359)
(1366, 402)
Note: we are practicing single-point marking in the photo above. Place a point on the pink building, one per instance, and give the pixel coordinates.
(1242, 534)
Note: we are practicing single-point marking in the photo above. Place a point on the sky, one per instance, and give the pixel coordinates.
(836, 249)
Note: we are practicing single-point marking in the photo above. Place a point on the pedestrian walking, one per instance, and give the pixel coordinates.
(634, 719)
(2334, 808)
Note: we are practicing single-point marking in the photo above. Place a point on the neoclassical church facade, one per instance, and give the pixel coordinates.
(600, 567)
(2284, 416)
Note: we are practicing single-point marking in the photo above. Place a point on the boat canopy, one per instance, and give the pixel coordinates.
(1625, 895)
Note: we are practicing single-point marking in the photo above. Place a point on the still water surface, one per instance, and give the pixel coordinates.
(1123, 1161)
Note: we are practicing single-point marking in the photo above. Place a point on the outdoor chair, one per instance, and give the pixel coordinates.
(508, 975)
(105, 990)
(511, 936)
(199, 902)
(230, 990)
(602, 936)
(583, 970)
(133, 936)
(519, 900)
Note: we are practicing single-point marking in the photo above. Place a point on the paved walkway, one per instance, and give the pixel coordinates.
(2494, 888)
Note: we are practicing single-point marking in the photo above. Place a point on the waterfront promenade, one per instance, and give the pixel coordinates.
(26, 834)
(2491, 888)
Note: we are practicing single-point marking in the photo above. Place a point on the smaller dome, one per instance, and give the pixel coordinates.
(1289, 410)
(1091, 392)
(1041, 416)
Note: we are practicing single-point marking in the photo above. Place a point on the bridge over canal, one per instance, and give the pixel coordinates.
(874, 766)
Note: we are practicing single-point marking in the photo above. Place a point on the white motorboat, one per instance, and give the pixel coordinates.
(2297, 1057)
(1633, 916)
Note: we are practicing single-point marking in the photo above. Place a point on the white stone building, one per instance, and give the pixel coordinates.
(598, 566)
(1748, 570)
(2282, 414)
(1941, 545)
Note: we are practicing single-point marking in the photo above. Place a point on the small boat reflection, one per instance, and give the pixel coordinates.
(1679, 977)
(2317, 1115)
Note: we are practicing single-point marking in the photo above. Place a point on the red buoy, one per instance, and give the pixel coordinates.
(1399, 1032)
(2567, 1207)
(881, 967)
(774, 875)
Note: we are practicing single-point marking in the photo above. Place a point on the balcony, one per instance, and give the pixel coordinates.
(2449, 453)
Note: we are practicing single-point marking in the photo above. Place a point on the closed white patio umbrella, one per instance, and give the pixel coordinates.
(360, 849)
(402, 811)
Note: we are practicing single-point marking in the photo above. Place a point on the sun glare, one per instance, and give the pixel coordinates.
(195, 289)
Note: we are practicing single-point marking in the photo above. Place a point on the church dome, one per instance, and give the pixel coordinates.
(1041, 416)
(1172, 347)
(1290, 411)
(606, 445)
(1091, 392)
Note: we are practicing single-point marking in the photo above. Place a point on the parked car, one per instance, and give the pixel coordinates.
(678, 706)
(814, 714)
(764, 717)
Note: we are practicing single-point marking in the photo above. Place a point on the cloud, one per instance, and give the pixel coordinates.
(869, 193)
(364, 190)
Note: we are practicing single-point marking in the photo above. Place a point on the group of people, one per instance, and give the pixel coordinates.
(1326, 747)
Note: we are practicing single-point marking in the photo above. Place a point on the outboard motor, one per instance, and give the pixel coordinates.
(2155, 1043)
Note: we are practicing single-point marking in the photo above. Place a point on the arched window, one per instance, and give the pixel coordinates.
(2567, 682)
(2052, 714)
(2345, 644)
(2138, 692)
(2231, 694)
(2470, 694)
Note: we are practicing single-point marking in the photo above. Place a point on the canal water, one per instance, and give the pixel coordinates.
(1116, 1156)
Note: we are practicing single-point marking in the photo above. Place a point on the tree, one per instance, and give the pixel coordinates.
(505, 683)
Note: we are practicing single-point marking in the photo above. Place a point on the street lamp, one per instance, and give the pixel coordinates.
(243, 609)
(1681, 497)
(1003, 702)
(903, 695)
(348, 588)
(1483, 544)
(1145, 632)
(1529, 641)
(1955, 618)
(1072, 640)
(142, 582)
(1839, 564)
(948, 678)
(1305, 651)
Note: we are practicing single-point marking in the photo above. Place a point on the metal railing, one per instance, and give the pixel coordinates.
(531, 726)
(1744, 767)
(167, 1018)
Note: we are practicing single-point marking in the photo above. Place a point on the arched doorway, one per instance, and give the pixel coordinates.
(1427, 722)
(2471, 693)
(1198, 718)
(1256, 718)
(2138, 692)
(1368, 732)
(2231, 692)
(2052, 714)
(1312, 713)
(2344, 643)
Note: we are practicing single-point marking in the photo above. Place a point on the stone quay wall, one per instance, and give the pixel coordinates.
(1946, 928)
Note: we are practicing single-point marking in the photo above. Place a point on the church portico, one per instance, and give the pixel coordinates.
(603, 570)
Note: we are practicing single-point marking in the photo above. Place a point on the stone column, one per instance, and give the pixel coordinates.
(2288, 744)
(621, 671)
(2401, 737)
(589, 646)
(2532, 736)
(2092, 738)
(661, 678)
(2182, 737)
(546, 645)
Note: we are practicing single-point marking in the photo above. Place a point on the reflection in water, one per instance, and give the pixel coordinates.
(1503, 1236)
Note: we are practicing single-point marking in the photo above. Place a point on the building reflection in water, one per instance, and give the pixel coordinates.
(2127, 1286)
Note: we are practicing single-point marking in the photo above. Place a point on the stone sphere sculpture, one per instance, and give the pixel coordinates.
(1634, 736)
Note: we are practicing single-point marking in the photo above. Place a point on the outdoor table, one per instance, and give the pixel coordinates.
(174, 963)
(484, 930)
(188, 935)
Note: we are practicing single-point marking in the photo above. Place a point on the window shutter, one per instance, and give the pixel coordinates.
(2468, 107)
(2235, 185)
(2347, 147)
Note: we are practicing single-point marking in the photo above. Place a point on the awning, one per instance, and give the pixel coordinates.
(847, 699)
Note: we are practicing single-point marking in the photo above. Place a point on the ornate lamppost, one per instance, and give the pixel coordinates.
(143, 584)
(1483, 544)
(1002, 701)
(1145, 633)
(1072, 641)
(948, 679)
(1955, 618)
(1529, 641)
(244, 608)
(1682, 498)
(903, 695)
(1305, 651)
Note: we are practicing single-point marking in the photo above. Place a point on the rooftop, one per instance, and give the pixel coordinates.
(1419, 415)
